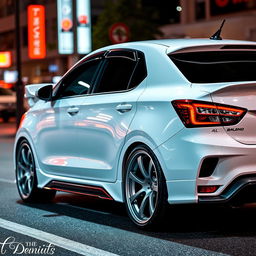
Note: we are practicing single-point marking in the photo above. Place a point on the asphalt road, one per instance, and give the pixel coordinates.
(78, 225)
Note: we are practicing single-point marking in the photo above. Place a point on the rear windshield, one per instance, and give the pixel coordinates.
(216, 66)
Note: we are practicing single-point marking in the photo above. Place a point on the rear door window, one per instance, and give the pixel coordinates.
(116, 75)
(122, 70)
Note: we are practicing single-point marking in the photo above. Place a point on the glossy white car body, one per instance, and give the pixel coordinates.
(89, 147)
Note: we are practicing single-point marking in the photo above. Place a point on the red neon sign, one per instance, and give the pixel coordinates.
(5, 59)
(224, 3)
(83, 19)
(240, 1)
(36, 32)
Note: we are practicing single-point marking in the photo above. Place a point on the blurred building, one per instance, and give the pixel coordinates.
(177, 19)
(201, 18)
(41, 70)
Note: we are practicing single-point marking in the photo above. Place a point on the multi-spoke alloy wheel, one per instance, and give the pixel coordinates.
(25, 170)
(26, 176)
(144, 187)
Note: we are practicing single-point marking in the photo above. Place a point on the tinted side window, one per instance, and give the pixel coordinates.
(116, 75)
(80, 80)
(140, 73)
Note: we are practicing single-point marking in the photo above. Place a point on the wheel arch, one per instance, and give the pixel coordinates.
(18, 143)
(162, 192)
(127, 153)
(23, 135)
(128, 149)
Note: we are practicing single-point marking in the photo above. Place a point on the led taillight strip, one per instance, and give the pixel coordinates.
(218, 108)
(188, 111)
(193, 114)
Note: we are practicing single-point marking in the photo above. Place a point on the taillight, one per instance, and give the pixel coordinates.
(22, 119)
(201, 113)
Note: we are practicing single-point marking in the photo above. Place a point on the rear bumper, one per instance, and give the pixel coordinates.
(181, 158)
(242, 189)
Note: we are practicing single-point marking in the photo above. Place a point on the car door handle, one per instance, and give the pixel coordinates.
(73, 110)
(122, 108)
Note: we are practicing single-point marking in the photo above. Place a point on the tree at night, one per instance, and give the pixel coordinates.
(139, 19)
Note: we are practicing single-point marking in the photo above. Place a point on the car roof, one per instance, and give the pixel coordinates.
(175, 44)
(171, 45)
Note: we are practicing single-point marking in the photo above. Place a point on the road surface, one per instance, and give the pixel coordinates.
(78, 225)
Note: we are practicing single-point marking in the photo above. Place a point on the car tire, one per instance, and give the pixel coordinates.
(26, 178)
(144, 187)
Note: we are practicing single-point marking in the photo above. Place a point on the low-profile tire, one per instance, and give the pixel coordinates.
(26, 178)
(145, 190)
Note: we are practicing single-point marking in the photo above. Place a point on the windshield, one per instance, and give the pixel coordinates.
(5, 92)
(216, 66)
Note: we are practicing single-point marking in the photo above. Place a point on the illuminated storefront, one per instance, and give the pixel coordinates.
(218, 7)
(41, 59)
(200, 18)
(46, 58)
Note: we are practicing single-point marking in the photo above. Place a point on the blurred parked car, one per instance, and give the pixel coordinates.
(7, 104)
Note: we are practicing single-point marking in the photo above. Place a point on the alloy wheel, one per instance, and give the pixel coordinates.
(141, 187)
(25, 170)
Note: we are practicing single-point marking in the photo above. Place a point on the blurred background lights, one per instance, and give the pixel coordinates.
(179, 8)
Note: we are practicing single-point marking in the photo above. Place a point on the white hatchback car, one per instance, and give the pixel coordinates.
(144, 123)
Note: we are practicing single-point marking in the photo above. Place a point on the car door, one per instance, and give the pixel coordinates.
(105, 115)
(57, 141)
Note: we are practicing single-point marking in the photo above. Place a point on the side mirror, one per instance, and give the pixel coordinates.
(45, 93)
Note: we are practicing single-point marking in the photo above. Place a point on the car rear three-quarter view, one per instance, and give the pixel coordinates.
(148, 124)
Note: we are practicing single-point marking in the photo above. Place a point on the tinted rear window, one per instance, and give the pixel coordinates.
(217, 66)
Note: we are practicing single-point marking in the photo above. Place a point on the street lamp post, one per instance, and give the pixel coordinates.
(19, 83)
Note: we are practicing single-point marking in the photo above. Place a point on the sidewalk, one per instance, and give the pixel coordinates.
(7, 134)
(7, 130)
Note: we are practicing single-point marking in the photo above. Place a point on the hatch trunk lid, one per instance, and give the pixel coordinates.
(242, 94)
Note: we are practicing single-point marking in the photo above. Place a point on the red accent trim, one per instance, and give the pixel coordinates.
(207, 189)
(22, 120)
(74, 192)
(107, 197)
